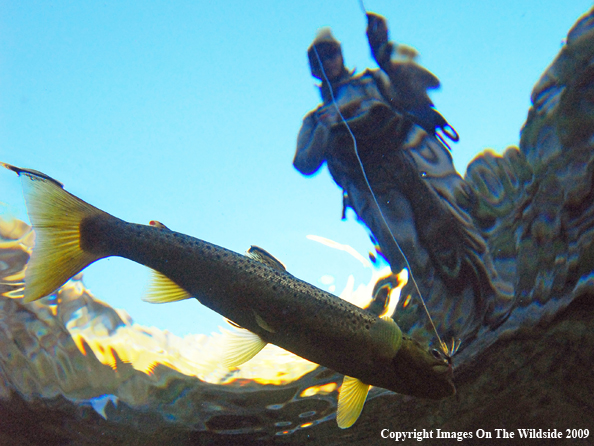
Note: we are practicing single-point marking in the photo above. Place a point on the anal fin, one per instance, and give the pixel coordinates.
(163, 290)
(240, 346)
(350, 401)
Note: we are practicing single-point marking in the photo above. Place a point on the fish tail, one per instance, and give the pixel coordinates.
(56, 216)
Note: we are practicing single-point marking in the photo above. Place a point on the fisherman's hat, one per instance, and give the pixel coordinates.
(325, 44)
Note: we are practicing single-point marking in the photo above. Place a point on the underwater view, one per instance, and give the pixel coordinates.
(312, 223)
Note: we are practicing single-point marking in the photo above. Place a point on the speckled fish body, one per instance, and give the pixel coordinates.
(255, 292)
(298, 317)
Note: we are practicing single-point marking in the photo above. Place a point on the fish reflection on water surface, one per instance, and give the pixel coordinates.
(256, 293)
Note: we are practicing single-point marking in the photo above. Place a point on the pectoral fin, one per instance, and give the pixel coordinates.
(263, 324)
(163, 290)
(350, 401)
(387, 337)
(240, 346)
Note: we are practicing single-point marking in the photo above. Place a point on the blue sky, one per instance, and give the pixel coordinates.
(187, 113)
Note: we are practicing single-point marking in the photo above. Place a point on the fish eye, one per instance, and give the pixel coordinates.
(437, 354)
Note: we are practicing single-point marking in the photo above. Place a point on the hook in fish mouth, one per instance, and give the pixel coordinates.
(445, 367)
(448, 352)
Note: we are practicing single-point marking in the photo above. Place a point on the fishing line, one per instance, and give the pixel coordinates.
(441, 343)
(362, 7)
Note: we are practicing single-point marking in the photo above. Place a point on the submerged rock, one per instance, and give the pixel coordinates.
(59, 384)
(535, 204)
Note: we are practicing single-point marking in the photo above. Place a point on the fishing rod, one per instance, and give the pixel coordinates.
(362, 7)
(442, 344)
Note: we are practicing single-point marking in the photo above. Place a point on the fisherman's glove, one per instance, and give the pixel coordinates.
(377, 34)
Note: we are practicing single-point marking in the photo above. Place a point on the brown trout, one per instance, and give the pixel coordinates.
(254, 291)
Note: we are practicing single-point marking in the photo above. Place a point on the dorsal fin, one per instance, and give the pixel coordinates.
(263, 256)
(163, 290)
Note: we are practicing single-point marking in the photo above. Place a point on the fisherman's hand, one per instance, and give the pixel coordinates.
(326, 115)
(350, 109)
(377, 34)
(377, 30)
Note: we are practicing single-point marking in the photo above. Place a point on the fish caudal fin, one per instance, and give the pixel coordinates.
(350, 401)
(55, 216)
(164, 290)
(239, 346)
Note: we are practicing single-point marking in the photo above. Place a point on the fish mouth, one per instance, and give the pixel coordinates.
(445, 374)
(443, 369)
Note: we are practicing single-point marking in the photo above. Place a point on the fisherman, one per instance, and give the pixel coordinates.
(400, 142)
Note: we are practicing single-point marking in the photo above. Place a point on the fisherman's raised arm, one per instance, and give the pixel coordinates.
(405, 74)
(311, 144)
